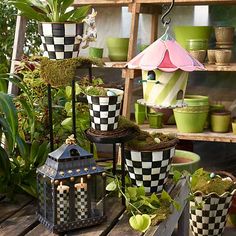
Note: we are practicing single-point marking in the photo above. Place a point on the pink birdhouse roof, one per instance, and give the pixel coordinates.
(167, 55)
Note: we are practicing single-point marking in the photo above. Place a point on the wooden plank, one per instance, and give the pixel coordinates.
(213, 67)
(17, 53)
(9, 208)
(133, 31)
(205, 136)
(114, 210)
(188, 2)
(21, 222)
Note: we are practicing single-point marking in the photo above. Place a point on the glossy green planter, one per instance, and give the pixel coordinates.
(196, 100)
(184, 33)
(117, 48)
(234, 127)
(190, 121)
(95, 52)
(190, 166)
(139, 107)
(139, 117)
(155, 120)
(220, 121)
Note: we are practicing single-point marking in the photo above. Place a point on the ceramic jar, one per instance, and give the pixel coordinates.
(220, 121)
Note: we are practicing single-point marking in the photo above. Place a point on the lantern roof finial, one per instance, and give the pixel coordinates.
(71, 140)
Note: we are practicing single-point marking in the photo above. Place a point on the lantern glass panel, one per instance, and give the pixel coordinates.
(41, 197)
(49, 199)
(97, 195)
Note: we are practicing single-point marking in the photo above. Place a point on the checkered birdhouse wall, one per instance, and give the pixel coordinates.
(67, 190)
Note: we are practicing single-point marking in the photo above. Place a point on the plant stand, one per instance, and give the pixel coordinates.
(114, 137)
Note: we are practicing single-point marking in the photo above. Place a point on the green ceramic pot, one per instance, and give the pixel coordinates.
(95, 52)
(141, 47)
(185, 160)
(190, 121)
(220, 121)
(139, 107)
(117, 48)
(139, 117)
(196, 100)
(155, 120)
(197, 44)
(184, 33)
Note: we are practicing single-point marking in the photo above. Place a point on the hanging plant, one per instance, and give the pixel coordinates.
(60, 73)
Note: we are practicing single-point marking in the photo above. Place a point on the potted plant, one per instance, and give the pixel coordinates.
(211, 197)
(60, 26)
(104, 107)
(148, 158)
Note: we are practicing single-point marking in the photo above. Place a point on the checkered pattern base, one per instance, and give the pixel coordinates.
(210, 220)
(81, 208)
(149, 169)
(104, 112)
(63, 207)
(59, 39)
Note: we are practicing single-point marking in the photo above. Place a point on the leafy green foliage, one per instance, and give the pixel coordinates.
(51, 10)
(7, 25)
(146, 209)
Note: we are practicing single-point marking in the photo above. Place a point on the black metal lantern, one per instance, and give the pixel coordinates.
(71, 189)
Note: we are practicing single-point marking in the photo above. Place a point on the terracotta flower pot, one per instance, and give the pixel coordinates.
(211, 56)
(224, 34)
(200, 55)
(60, 39)
(105, 110)
(223, 57)
(95, 52)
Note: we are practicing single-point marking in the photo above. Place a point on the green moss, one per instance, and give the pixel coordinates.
(201, 181)
(161, 214)
(96, 91)
(61, 72)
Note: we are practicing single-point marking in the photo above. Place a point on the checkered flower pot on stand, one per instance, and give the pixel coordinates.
(211, 218)
(105, 110)
(149, 168)
(60, 39)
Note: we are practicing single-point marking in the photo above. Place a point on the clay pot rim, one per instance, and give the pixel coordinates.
(221, 113)
(224, 27)
(214, 194)
(193, 161)
(223, 50)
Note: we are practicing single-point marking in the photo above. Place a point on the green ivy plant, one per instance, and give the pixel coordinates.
(51, 10)
(144, 210)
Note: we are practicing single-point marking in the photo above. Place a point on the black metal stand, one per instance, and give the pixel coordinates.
(50, 110)
(113, 138)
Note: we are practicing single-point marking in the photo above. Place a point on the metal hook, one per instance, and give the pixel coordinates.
(167, 22)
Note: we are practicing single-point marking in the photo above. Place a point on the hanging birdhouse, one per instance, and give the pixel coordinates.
(71, 189)
(165, 66)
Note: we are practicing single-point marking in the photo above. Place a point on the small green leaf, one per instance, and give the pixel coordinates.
(140, 222)
(80, 14)
(165, 196)
(132, 191)
(141, 191)
(111, 186)
(68, 91)
(176, 176)
(176, 205)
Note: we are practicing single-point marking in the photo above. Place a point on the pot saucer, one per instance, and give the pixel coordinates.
(224, 46)
(225, 43)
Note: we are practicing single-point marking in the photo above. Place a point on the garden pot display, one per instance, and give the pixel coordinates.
(105, 110)
(155, 120)
(150, 168)
(95, 52)
(220, 121)
(208, 212)
(185, 160)
(60, 39)
(118, 48)
(185, 33)
(162, 88)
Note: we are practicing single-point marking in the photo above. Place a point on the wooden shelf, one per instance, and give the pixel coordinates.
(103, 2)
(188, 2)
(205, 136)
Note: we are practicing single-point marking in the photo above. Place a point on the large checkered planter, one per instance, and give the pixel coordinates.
(105, 110)
(149, 169)
(60, 39)
(210, 219)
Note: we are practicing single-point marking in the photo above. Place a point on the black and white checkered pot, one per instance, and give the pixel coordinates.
(210, 219)
(60, 39)
(105, 110)
(149, 169)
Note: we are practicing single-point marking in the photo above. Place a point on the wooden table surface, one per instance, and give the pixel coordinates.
(19, 218)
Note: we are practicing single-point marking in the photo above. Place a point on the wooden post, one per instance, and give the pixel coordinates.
(154, 25)
(17, 48)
